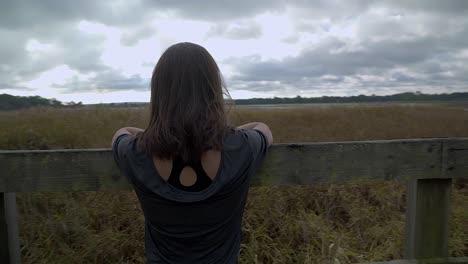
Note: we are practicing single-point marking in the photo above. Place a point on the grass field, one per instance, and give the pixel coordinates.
(295, 224)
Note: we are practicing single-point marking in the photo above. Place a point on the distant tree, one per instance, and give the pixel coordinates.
(11, 102)
(74, 104)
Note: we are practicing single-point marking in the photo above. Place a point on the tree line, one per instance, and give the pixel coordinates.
(400, 97)
(11, 102)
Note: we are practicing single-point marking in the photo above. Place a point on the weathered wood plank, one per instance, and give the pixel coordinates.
(337, 162)
(455, 158)
(460, 260)
(427, 218)
(308, 163)
(60, 170)
(9, 239)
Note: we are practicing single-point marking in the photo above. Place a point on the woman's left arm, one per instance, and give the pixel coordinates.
(126, 131)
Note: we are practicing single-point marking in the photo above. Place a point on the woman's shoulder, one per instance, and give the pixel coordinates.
(248, 143)
(234, 139)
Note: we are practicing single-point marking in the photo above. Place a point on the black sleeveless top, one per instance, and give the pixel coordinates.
(202, 180)
(201, 223)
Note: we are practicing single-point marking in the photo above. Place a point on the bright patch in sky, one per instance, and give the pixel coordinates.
(58, 75)
(35, 46)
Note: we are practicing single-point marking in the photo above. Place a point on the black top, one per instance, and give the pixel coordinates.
(194, 226)
(202, 182)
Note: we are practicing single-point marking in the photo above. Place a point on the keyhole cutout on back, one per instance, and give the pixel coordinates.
(188, 176)
(211, 160)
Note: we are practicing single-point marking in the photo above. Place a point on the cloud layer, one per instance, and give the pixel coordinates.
(274, 48)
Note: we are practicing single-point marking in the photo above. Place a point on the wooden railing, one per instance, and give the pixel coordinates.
(427, 165)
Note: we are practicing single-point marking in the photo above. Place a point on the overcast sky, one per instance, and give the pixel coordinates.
(105, 51)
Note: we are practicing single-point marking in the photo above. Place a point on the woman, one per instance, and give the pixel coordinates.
(189, 168)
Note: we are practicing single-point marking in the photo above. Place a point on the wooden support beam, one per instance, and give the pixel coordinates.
(427, 218)
(9, 239)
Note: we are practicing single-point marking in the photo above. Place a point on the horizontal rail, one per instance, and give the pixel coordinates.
(303, 163)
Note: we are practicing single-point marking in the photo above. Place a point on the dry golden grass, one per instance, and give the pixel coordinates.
(296, 224)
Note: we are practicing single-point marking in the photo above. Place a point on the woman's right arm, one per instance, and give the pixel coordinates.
(262, 127)
(125, 131)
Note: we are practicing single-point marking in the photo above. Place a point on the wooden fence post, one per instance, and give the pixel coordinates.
(427, 217)
(9, 239)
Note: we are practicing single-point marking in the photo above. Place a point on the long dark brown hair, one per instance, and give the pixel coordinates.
(187, 106)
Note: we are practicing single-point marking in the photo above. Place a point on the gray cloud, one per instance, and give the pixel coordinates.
(107, 80)
(69, 46)
(26, 14)
(409, 47)
(453, 7)
(238, 31)
(394, 45)
(221, 10)
(133, 35)
(291, 39)
(429, 61)
(54, 23)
